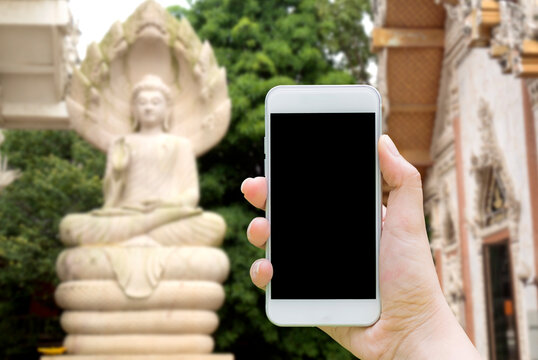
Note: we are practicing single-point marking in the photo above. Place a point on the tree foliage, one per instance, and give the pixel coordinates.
(60, 174)
(344, 34)
(262, 44)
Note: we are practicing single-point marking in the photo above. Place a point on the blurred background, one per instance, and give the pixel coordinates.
(460, 100)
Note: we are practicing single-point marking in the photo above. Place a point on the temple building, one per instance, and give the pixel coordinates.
(37, 56)
(460, 91)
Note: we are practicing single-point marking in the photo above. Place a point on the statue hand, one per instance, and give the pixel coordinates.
(186, 200)
(144, 206)
(152, 204)
(120, 156)
(415, 321)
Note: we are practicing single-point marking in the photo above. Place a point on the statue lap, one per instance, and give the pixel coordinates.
(162, 225)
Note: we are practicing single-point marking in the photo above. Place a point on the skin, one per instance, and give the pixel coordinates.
(415, 322)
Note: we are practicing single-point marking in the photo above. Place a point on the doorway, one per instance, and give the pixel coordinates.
(500, 301)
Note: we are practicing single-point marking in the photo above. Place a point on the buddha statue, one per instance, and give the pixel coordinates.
(142, 276)
(150, 185)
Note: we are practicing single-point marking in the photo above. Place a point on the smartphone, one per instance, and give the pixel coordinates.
(323, 204)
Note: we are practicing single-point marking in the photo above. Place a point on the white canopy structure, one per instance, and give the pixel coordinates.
(36, 56)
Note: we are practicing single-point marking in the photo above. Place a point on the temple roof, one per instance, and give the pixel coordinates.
(409, 41)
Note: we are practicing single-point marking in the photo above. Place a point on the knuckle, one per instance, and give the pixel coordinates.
(413, 177)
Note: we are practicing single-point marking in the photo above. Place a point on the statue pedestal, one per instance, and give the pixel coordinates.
(172, 320)
(142, 357)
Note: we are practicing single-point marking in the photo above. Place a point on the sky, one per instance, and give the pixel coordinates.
(372, 65)
(94, 18)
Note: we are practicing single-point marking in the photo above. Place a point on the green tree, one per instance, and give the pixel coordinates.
(60, 174)
(344, 34)
(262, 44)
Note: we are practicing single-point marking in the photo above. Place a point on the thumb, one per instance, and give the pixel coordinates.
(404, 206)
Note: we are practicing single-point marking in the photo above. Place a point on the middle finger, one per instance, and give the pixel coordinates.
(258, 232)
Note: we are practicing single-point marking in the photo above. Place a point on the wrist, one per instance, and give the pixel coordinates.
(440, 336)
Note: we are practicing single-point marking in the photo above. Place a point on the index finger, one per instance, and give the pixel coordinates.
(255, 191)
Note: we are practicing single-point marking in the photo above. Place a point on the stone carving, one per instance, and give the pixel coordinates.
(532, 86)
(449, 231)
(379, 11)
(6, 176)
(143, 274)
(509, 35)
(511, 30)
(453, 288)
(508, 28)
(150, 42)
(490, 162)
(69, 49)
(458, 10)
(448, 109)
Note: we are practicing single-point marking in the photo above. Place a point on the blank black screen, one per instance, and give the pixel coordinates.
(323, 213)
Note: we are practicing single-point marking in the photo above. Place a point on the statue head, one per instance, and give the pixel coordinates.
(150, 103)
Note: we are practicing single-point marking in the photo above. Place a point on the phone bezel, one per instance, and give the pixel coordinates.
(323, 99)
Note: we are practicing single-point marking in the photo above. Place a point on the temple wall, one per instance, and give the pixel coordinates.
(480, 79)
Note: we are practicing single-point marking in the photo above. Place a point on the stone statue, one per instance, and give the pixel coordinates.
(143, 273)
(150, 185)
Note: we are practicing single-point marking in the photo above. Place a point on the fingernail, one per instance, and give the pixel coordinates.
(390, 145)
(248, 230)
(243, 184)
(257, 268)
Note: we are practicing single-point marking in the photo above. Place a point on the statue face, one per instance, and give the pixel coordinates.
(150, 108)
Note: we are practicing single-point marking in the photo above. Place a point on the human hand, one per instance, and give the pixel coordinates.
(415, 321)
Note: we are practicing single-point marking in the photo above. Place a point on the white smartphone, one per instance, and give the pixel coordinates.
(323, 205)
